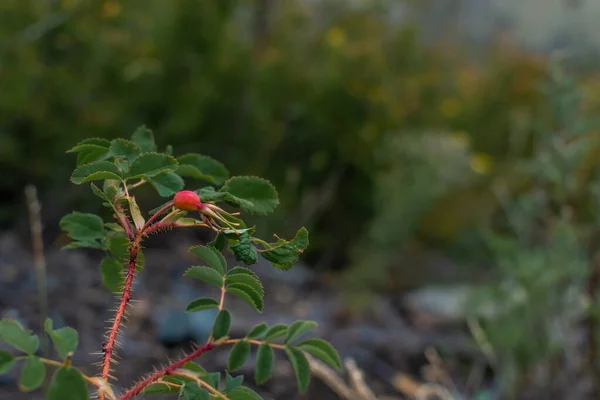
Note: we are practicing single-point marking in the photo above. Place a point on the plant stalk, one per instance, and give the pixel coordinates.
(109, 348)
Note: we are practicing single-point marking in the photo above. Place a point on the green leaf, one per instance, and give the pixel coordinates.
(83, 243)
(32, 375)
(199, 166)
(244, 276)
(191, 391)
(112, 274)
(202, 304)
(283, 254)
(209, 194)
(48, 325)
(241, 271)
(264, 364)
(90, 150)
(231, 382)
(211, 256)
(151, 164)
(244, 250)
(95, 171)
(301, 367)
(111, 188)
(84, 144)
(178, 380)
(276, 331)
(108, 201)
(113, 226)
(299, 328)
(239, 355)
(213, 379)
(167, 183)
(242, 393)
(206, 274)
(257, 331)
(248, 294)
(197, 369)
(144, 139)
(65, 339)
(136, 214)
(222, 324)
(15, 335)
(124, 149)
(321, 349)
(234, 235)
(158, 388)
(177, 216)
(67, 384)
(83, 226)
(260, 192)
(219, 241)
(7, 360)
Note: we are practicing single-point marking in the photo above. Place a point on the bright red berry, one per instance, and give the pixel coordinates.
(187, 200)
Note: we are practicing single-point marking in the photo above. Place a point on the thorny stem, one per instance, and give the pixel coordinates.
(137, 389)
(109, 348)
(158, 226)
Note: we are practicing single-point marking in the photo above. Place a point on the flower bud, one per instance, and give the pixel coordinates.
(187, 200)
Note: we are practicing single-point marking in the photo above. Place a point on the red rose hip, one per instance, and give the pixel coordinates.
(187, 200)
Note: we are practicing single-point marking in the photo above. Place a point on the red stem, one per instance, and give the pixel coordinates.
(109, 348)
(156, 215)
(112, 337)
(122, 218)
(137, 389)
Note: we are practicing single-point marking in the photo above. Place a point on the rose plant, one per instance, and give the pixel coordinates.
(115, 169)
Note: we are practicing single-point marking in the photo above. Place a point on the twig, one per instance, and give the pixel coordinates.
(253, 341)
(357, 381)
(213, 392)
(330, 378)
(437, 364)
(39, 261)
(221, 303)
(356, 390)
(427, 390)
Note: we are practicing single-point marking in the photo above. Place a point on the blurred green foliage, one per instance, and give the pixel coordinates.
(318, 99)
(544, 244)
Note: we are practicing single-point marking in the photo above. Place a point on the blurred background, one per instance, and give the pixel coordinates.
(444, 155)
